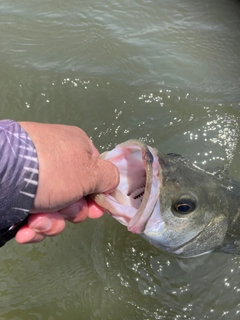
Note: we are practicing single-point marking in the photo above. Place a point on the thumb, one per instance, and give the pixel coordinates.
(107, 176)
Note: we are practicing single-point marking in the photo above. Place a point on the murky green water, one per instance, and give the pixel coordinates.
(167, 72)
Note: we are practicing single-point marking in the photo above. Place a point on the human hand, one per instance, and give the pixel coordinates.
(69, 170)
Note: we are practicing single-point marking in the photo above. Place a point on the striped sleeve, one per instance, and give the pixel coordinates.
(18, 173)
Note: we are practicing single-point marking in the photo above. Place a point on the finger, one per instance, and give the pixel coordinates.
(76, 212)
(28, 235)
(47, 224)
(95, 152)
(106, 176)
(94, 210)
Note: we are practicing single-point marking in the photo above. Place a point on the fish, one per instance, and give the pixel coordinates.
(178, 207)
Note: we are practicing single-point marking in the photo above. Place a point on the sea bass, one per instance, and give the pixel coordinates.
(176, 206)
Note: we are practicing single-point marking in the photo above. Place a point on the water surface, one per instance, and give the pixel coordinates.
(165, 72)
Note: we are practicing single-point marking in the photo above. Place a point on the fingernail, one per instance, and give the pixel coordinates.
(42, 224)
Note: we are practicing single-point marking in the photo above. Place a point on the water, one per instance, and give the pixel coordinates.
(166, 72)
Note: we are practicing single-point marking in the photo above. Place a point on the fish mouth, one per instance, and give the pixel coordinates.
(133, 201)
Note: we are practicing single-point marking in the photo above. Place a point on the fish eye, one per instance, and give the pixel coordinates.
(184, 206)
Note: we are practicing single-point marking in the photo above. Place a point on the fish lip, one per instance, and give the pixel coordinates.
(138, 222)
(135, 218)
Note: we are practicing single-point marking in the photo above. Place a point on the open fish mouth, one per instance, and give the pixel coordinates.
(135, 199)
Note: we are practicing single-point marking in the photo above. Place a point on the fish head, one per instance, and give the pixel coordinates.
(193, 207)
(176, 206)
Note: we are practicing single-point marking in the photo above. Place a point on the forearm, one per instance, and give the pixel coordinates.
(18, 173)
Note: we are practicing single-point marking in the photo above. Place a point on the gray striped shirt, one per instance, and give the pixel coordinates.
(18, 173)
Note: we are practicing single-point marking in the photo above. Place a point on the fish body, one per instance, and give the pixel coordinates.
(176, 206)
